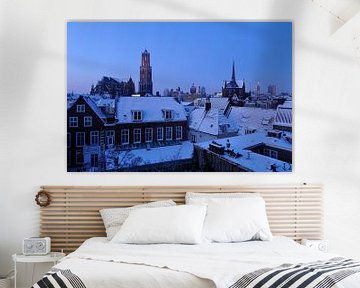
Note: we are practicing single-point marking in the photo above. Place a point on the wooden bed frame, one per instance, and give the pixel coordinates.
(73, 215)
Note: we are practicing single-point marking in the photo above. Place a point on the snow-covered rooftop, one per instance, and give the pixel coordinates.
(284, 114)
(216, 102)
(141, 157)
(90, 102)
(152, 109)
(105, 102)
(187, 103)
(252, 118)
(212, 122)
(287, 104)
(71, 99)
(256, 162)
(94, 107)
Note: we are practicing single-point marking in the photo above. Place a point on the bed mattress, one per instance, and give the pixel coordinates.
(99, 263)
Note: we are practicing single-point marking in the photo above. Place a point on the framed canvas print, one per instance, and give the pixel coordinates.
(179, 96)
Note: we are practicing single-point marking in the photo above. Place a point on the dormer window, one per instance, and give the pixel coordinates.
(137, 115)
(223, 128)
(80, 108)
(168, 114)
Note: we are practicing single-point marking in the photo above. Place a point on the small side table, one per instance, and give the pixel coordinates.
(53, 257)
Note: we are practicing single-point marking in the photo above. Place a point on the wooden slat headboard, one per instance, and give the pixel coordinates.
(73, 215)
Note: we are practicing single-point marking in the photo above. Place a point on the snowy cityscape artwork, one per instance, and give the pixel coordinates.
(179, 96)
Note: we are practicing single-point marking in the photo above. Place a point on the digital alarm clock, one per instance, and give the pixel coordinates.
(320, 245)
(36, 246)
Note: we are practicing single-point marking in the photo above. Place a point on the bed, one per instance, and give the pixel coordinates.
(294, 211)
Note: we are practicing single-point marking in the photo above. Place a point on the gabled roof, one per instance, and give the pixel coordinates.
(152, 109)
(71, 99)
(92, 105)
(211, 122)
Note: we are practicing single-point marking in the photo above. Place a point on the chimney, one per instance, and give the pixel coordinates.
(207, 104)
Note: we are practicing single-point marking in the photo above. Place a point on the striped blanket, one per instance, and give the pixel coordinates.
(59, 278)
(320, 274)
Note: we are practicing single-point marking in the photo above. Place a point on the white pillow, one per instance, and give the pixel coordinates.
(113, 218)
(204, 198)
(236, 220)
(180, 224)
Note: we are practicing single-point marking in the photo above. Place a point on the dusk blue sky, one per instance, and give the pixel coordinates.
(182, 53)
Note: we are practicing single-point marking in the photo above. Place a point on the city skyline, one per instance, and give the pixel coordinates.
(182, 53)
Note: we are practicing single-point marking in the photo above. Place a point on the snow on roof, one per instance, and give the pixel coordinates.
(71, 99)
(90, 102)
(256, 162)
(284, 115)
(187, 103)
(141, 157)
(94, 107)
(104, 102)
(216, 102)
(252, 118)
(287, 104)
(152, 108)
(212, 122)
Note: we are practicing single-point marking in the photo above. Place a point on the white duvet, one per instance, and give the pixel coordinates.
(100, 263)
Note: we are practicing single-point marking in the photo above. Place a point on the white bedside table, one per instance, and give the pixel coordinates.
(53, 257)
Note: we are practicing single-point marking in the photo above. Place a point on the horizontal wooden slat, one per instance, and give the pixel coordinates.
(73, 216)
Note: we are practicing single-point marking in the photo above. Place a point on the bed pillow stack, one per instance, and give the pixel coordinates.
(114, 218)
(233, 217)
(220, 217)
(166, 225)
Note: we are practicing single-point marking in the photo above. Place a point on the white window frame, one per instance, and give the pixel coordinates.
(127, 135)
(135, 134)
(162, 133)
(168, 128)
(77, 139)
(168, 114)
(91, 160)
(148, 132)
(73, 122)
(274, 154)
(110, 134)
(80, 108)
(135, 115)
(178, 130)
(87, 121)
(94, 134)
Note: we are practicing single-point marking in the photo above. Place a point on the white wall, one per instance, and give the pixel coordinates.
(33, 107)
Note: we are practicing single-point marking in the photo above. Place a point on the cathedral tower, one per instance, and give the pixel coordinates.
(145, 83)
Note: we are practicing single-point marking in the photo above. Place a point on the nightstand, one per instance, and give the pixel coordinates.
(320, 245)
(53, 257)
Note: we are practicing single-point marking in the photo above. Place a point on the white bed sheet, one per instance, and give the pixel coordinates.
(100, 263)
